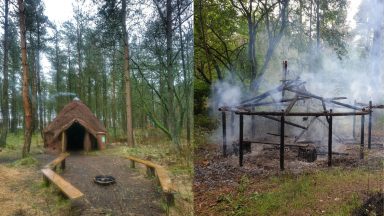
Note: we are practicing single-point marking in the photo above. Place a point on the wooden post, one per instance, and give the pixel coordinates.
(169, 198)
(46, 180)
(150, 171)
(101, 140)
(330, 138)
(370, 125)
(284, 78)
(282, 146)
(62, 166)
(63, 142)
(87, 142)
(241, 140)
(362, 137)
(224, 122)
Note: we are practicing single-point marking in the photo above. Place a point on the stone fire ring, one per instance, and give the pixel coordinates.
(104, 180)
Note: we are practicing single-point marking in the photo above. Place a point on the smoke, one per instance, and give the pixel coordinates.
(225, 94)
(359, 76)
(62, 94)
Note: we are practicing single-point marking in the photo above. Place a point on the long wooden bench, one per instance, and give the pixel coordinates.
(67, 188)
(59, 160)
(162, 176)
(50, 176)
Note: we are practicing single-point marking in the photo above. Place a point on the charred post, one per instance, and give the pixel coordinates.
(241, 141)
(283, 81)
(330, 119)
(370, 125)
(282, 147)
(362, 137)
(224, 122)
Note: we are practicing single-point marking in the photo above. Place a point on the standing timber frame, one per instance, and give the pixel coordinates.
(296, 88)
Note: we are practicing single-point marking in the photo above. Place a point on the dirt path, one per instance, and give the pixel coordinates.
(133, 193)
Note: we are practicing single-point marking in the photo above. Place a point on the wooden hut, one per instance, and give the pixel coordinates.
(75, 128)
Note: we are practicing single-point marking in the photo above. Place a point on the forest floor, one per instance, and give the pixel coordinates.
(23, 192)
(221, 187)
(132, 194)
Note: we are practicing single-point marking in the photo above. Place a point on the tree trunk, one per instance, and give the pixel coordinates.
(114, 118)
(79, 88)
(58, 72)
(172, 121)
(14, 109)
(5, 106)
(377, 46)
(252, 52)
(317, 25)
(33, 81)
(274, 40)
(310, 23)
(186, 77)
(128, 97)
(38, 79)
(26, 100)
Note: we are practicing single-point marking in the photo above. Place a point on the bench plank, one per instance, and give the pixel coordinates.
(164, 179)
(162, 175)
(67, 188)
(57, 161)
(147, 163)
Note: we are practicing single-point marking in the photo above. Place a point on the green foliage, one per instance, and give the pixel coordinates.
(206, 122)
(15, 141)
(28, 161)
(201, 94)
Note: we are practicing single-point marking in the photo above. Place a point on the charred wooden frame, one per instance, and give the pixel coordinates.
(248, 108)
(283, 122)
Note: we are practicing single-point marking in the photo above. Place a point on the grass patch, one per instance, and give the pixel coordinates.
(16, 141)
(328, 192)
(28, 161)
(23, 192)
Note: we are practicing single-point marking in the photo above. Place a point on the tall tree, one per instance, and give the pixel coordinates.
(127, 76)
(25, 88)
(5, 105)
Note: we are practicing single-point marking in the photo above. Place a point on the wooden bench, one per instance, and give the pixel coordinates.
(59, 160)
(67, 188)
(162, 176)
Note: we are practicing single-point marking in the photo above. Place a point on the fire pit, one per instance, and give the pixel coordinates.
(104, 180)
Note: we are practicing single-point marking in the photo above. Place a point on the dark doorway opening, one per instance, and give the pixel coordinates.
(75, 137)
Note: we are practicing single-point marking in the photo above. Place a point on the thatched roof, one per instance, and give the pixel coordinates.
(75, 111)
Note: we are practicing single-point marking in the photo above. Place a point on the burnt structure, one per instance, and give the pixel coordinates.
(285, 103)
(75, 128)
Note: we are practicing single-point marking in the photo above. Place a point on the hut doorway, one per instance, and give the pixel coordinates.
(75, 137)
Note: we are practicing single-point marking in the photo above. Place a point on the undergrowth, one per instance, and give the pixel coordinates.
(327, 192)
(28, 161)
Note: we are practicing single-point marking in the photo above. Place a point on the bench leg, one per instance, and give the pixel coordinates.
(169, 198)
(150, 171)
(46, 180)
(132, 163)
(62, 164)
